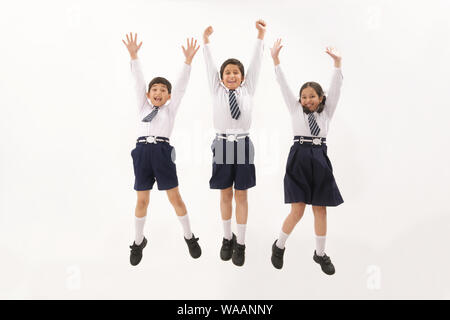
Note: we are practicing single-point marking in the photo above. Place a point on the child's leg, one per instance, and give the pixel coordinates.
(180, 209)
(226, 198)
(176, 201)
(297, 210)
(143, 198)
(240, 197)
(320, 228)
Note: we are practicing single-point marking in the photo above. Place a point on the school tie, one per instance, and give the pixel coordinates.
(151, 115)
(234, 108)
(313, 127)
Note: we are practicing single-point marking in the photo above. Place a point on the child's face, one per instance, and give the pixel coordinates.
(232, 77)
(310, 99)
(158, 94)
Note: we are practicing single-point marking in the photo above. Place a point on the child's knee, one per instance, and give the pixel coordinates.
(297, 211)
(240, 196)
(319, 211)
(142, 203)
(226, 196)
(297, 214)
(176, 201)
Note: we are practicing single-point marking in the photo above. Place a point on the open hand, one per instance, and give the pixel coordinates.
(190, 50)
(275, 51)
(132, 45)
(333, 53)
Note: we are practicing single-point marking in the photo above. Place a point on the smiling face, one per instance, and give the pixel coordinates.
(158, 94)
(232, 76)
(310, 99)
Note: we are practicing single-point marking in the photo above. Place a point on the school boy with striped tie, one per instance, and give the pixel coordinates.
(153, 157)
(232, 91)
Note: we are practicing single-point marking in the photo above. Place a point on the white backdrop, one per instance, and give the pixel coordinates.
(68, 124)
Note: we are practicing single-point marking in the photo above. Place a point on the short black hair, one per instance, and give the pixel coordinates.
(318, 89)
(160, 80)
(235, 62)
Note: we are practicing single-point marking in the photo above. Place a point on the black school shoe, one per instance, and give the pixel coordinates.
(238, 256)
(325, 263)
(136, 252)
(194, 247)
(277, 256)
(227, 248)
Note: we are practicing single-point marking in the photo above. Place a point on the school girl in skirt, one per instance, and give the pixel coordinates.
(309, 175)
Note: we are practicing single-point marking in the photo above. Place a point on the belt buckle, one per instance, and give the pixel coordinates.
(300, 140)
(151, 139)
(231, 138)
(317, 141)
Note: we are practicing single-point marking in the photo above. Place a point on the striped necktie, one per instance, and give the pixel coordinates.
(313, 127)
(151, 115)
(234, 108)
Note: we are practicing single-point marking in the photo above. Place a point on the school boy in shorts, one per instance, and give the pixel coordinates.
(233, 166)
(153, 157)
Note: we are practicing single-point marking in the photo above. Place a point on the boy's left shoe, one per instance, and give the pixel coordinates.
(238, 256)
(194, 247)
(325, 263)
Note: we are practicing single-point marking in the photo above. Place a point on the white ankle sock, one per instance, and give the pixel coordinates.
(186, 226)
(282, 239)
(320, 245)
(241, 233)
(227, 234)
(139, 228)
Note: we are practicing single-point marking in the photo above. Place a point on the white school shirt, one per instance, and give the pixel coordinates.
(300, 124)
(162, 123)
(223, 122)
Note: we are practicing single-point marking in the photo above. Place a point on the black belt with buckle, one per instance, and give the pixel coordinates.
(316, 141)
(152, 139)
(232, 137)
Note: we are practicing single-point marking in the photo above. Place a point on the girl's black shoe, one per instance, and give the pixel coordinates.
(277, 256)
(325, 263)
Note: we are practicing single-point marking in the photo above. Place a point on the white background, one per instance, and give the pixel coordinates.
(68, 124)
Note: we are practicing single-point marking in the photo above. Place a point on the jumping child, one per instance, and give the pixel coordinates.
(153, 157)
(233, 151)
(309, 175)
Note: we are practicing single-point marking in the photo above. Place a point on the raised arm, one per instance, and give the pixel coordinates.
(336, 82)
(288, 96)
(211, 69)
(180, 85)
(136, 69)
(254, 68)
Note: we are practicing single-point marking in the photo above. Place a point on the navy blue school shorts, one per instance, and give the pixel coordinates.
(154, 162)
(309, 177)
(233, 163)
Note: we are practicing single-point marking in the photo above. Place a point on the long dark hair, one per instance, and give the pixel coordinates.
(318, 89)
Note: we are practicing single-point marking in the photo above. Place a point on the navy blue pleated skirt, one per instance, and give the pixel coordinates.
(309, 176)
